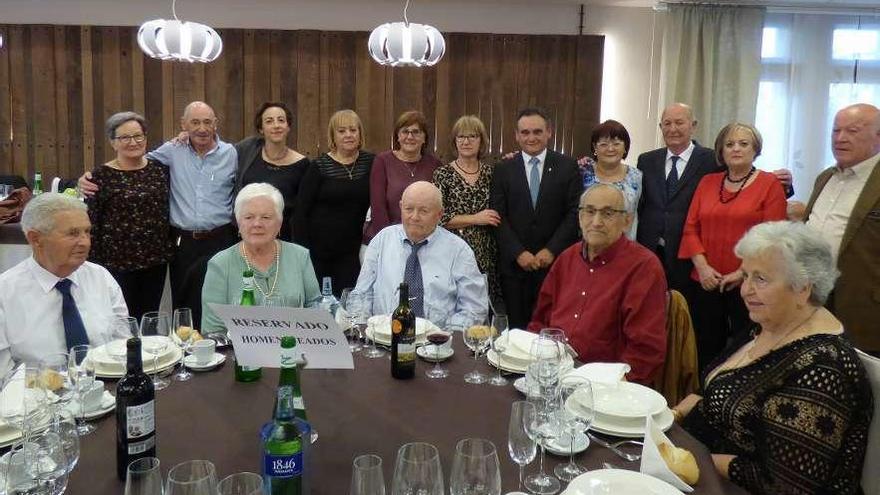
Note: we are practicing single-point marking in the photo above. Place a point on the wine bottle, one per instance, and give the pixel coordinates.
(403, 337)
(284, 448)
(38, 184)
(247, 373)
(135, 412)
(289, 375)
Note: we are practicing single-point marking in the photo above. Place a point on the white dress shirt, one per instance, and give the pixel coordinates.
(30, 310)
(540, 156)
(831, 211)
(683, 158)
(455, 291)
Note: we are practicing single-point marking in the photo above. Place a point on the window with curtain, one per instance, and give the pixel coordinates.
(812, 65)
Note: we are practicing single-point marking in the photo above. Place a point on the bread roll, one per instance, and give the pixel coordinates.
(681, 462)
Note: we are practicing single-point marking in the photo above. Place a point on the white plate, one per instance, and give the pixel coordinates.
(515, 367)
(118, 370)
(561, 445)
(113, 353)
(627, 400)
(10, 434)
(429, 353)
(618, 482)
(108, 404)
(382, 325)
(630, 428)
(383, 339)
(191, 363)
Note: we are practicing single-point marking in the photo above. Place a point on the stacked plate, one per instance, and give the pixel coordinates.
(109, 359)
(379, 329)
(603, 481)
(621, 409)
(515, 358)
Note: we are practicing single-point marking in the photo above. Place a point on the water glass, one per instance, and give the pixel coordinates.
(192, 478)
(37, 465)
(350, 304)
(500, 341)
(475, 338)
(183, 327)
(241, 484)
(543, 426)
(521, 446)
(64, 424)
(55, 378)
(366, 476)
(157, 326)
(82, 374)
(475, 469)
(417, 470)
(144, 477)
(575, 416)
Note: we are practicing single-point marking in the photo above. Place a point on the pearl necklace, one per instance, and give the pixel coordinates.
(247, 262)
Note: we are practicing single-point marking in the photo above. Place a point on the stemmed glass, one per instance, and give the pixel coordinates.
(499, 345)
(36, 465)
(575, 415)
(520, 444)
(64, 425)
(55, 378)
(437, 338)
(366, 476)
(475, 469)
(241, 484)
(543, 393)
(417, 471)
(81, 371)
(144, 477)
(475, 338)
(360, 315)
(350, 305)
(192, 478)
(183, 327)
(155, 324)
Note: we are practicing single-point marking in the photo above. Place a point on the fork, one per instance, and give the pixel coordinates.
(615, 447)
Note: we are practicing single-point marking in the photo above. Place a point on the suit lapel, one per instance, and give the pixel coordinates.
(823, 179)
(520, 180)
(867, 199)
(690, 170)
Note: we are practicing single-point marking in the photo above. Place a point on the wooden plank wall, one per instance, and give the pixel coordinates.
(58, 84)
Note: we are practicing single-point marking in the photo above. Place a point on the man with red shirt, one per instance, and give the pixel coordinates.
(607, 292)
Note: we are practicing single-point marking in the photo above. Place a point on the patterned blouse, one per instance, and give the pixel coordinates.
(129, 215)
(631, 185)
(797, 418)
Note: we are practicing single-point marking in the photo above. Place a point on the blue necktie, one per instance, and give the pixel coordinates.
(672, 178)
(412, 275)
(534, 180)
(74, 330)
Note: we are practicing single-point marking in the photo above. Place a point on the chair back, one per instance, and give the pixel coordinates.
(679, 375)
(870, 479)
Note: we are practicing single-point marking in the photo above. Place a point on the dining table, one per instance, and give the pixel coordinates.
(355, 411)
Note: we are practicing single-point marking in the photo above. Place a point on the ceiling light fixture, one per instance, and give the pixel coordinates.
(406, 44)
(179, 40)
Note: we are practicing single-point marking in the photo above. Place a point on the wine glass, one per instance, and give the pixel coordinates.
(417, 470)
(55, 378)
(349, 303)
(437, 338)
(499, 345)
(183, 327)
(542, 427)
(36, 465)
(156, 326)
(192, 478)
(575, 415)
(520, 444)
(144, 477)
(366, 476)
(81, 371)
(371, 352)
(241, 484)
(64, 424)
(475, 469)
(475, 338)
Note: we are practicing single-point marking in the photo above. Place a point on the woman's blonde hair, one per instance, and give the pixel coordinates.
(469, 124)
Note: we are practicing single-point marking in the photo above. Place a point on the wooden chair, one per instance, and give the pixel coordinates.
(870, 480)
(680, 374)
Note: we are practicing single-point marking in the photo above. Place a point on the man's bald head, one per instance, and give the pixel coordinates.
(197, 106)
(200, 122)
(420, 209)
(855, 136)
(677, 124)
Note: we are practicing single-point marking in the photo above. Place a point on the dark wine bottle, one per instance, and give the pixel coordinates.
(135, 412)
(403, 338)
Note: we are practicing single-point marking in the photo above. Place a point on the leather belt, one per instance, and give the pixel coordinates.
(199, 235)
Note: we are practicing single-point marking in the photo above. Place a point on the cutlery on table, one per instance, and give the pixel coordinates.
(615, 447)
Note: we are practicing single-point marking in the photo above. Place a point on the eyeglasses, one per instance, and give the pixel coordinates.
(609, 143)
(137, 138)
(605, 213)
(410, 132)
(467, 137)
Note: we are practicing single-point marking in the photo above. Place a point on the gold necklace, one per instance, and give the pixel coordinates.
(247, 262)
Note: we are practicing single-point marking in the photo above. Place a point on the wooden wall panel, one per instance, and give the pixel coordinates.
(60, 83)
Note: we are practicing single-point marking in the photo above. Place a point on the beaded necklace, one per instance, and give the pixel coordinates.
(247, 262)
(742, 183)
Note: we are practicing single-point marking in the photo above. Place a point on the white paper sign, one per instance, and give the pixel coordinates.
(256, 333)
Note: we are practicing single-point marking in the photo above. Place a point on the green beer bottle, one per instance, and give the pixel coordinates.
(247, 373)
(38, 184)
(284, 449)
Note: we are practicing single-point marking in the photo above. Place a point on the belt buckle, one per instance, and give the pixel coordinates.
(201, 234)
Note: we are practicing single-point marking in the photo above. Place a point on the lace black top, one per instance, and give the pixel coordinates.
(797, 418)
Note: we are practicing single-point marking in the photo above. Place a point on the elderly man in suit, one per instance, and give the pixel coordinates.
(845, 208)
(536, 194)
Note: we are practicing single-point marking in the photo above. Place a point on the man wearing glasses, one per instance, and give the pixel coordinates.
(607, 293)
(202, 179)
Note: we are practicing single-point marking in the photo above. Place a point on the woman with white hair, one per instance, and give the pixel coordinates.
(787, 408)
(283, 272)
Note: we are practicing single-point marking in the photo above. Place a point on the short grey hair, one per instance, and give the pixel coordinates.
(808, 260)
(117, 119)
(39, 214)
(627, 204)
(259, 190)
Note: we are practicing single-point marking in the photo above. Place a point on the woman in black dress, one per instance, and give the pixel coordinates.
(333, 201)
(267, 158)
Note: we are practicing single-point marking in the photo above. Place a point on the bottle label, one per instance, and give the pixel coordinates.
(406, 352)
(288, 357)
(396, 326)
(299, 403)
(135, 448)
(141, 420)
(283, 466)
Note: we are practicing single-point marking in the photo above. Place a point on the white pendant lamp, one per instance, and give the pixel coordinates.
(406, 44)
(179, 40)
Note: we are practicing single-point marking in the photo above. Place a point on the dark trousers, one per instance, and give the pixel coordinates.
(142, 288)
(520, 292)
(343, 271)
(190, 263)
(717, 317)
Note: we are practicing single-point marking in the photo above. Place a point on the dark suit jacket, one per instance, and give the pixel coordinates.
(553, 221)
(660, 216)
(856, 300)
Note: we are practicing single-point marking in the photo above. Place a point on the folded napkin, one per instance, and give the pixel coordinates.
(520, 341)
(609, 373)
(382, 325)
(652, 463)
(12, 396)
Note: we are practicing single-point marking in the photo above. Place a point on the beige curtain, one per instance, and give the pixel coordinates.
(711, 59)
